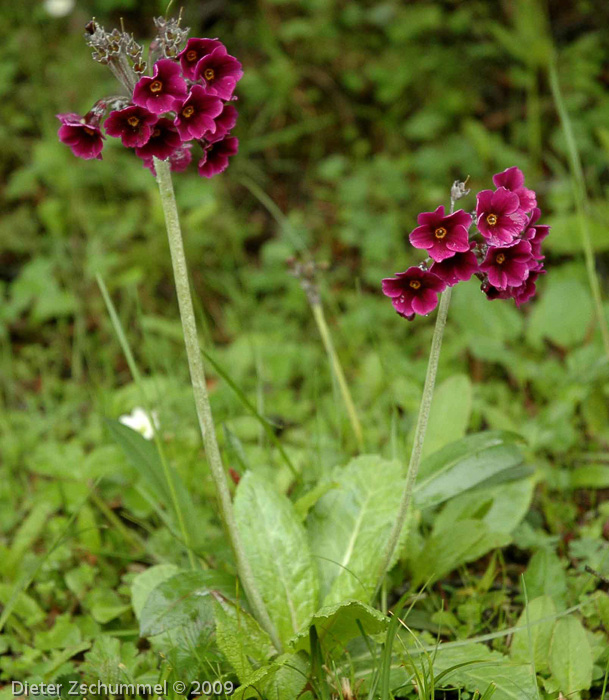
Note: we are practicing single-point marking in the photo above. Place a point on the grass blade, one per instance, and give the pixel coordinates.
(267, 425)
(581, 202)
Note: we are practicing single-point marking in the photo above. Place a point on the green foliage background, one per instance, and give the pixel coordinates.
(354, 117)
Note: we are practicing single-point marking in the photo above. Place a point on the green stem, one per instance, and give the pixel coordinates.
(581, 203)
(199, 387)
(324, 331)
(419, 435)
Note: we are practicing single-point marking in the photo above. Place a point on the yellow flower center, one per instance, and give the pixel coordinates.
(440, 232)
(133, 121)
(89, 130)
(500, 258)
(188, 111)
(209, 74)
(156, 86)
(191, 56)
(491, 219)
(155, 133)
(415, 284)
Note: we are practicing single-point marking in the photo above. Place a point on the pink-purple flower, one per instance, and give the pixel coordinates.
(460, 268)
(194, 51)
(159, 93)
(163, 142)
(526, 291)
(507, 259)
(442, 235)
(185, 103)
(508, 266)
(82, 135)
(413, 292)
(513, 180)
(535, 233)
(220, 73)
(196, 115)
(225, 123)
(133, 125)
(499, 217)
(521, 293)
(216, 155)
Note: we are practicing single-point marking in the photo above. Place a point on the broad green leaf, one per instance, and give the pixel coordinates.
(571, 656)
(304, 504)
(107, 659)
(183, 599)
(497, 510)
(282, 679)
(534, 642)
(289, 679)
(450, 413)
(144, 583)
(241, 639)
(502, 507)
(513, 681)
(450, 547)
(104, 604)
(338, 624)
(545, 575)
(349, 526)
(563, 314)
(471, 462)
(276, 545)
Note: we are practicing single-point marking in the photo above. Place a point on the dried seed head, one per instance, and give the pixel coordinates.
(170, 36)
(459, 190)
(307, 274)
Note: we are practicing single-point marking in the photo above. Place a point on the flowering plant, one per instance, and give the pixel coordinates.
(188, 100)
(504, 253)
(506, 257)
(305, 580)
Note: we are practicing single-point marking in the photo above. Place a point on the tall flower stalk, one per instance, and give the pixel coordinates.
(326, 338)
(186, 101)
(458, 191)
(419, 435)
(201, 396)
(306, 273)
(504, 254)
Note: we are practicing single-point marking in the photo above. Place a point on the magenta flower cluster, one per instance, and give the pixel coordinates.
(186, 102)
(503, 249)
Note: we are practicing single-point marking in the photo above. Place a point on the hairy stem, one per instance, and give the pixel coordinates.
(419, 436)
(326, 338)
(199, 386)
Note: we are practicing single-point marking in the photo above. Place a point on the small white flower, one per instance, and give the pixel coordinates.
(59, 8)
(139, 421)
